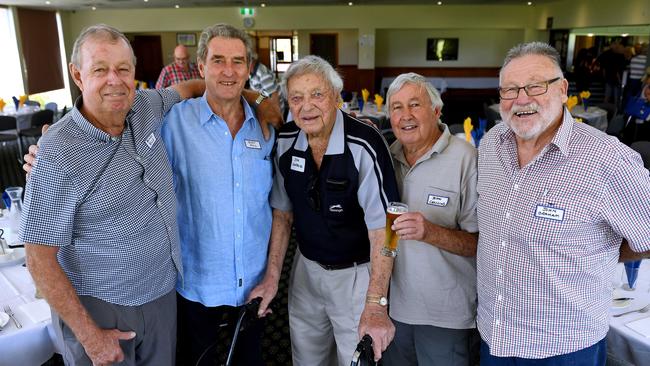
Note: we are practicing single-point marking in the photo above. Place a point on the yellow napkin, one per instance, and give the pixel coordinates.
(143, 85)
(365, 94)
(2, 104)
(571, 102)
(22, 100)
(467, 126)
(585, 94)
(379, 101)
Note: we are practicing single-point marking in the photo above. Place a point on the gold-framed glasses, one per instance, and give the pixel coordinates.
(532, 90)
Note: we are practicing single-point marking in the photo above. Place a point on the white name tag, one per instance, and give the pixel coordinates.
(551, 213)
(439, 201)
(298, 164)
(252, 144)
(150, 140)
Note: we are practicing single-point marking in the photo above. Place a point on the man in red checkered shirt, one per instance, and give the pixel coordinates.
(180, 70)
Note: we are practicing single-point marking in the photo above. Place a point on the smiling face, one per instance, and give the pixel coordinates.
(182, 57)
(313, 104)
(529, 117)
(413, 118)
(105, 77)
(225, 69)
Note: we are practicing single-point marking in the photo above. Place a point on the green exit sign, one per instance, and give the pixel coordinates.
(249, 12)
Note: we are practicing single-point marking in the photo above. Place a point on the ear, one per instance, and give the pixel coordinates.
(565, 90)
(201, 66)
(76, 76)
(436, 112)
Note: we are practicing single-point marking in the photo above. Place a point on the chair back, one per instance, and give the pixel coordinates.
(42, 117)
(7, 123)
(643, 148)
(456, 128)
(52, 106)
(32, 103)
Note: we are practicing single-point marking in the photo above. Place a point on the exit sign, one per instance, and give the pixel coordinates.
(247, 12)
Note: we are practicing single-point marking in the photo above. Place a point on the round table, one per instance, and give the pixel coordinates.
(594, 116)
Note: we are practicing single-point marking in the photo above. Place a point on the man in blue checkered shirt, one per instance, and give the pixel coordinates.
(99, 217)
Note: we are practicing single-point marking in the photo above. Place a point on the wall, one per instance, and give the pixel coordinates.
(348, 46)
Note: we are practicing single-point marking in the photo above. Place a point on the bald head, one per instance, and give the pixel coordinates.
(182, 57)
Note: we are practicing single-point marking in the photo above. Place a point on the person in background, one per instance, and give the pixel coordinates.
(433, 285)
(612, 64)
(181, 69)
(333, 181)
(556, 201)
(99, 219)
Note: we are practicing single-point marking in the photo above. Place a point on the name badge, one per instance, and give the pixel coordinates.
(551, 213)
(439, 201)
(150, 140)
(298, 164)
(252, 144)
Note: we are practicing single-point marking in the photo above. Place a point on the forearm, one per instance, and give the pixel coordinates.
(627, 254)
(280, 233)
(381, 266)
(457, 242)
(190, 88)
(55, 287)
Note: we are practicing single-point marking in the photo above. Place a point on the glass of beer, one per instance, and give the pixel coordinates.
(392, 212)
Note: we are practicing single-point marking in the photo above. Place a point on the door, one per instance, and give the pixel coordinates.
(148, 51)
(325, 46)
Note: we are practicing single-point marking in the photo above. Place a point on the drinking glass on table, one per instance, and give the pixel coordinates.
(392, 212)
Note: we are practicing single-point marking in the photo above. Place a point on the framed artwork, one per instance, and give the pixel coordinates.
(442, 49)
(186, 39)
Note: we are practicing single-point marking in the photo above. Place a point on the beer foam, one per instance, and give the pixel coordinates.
(397, 210)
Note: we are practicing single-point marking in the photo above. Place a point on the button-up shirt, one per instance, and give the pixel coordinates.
(550, 234)
(108, 203)
(173, 74)
(222, 184)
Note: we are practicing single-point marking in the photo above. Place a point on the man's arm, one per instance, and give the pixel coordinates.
(413, 226)
(267, 112)
(374, 318)
(101, 345)
(627, 254)
(190, 88)
(280, 233)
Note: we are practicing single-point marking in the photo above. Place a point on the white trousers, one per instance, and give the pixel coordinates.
(324, 312)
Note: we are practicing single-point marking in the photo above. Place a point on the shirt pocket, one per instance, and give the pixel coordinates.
(259, 178)
(335, 201)
(564, 221)
(438, 205)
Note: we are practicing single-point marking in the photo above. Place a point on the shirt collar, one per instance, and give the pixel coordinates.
(206, 113)
(90, 129)
(438, 147)
(560, 140)
(336, 142)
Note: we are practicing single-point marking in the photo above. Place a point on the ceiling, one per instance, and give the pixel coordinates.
(131, 4)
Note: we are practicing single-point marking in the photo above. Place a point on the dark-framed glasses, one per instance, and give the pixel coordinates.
(532, 90)
(313, 194)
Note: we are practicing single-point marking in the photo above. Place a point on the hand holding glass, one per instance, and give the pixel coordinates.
(392, 212)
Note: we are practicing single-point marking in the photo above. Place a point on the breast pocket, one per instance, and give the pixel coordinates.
(259, 177)
(438, 205)
(335, 200)
(565, 221)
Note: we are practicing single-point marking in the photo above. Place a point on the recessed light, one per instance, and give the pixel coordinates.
(625, 34)
(350, 3)
(47, 3)
(146, 1)
(590, 34)
(94, 8)
(263, 5)
(439, 2)
(530, 3)
(177, 6)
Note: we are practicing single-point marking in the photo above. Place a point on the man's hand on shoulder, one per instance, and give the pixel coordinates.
(30, 157)
(268, 111)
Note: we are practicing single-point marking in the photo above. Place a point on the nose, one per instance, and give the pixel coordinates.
(522, 97)
(113, 76)
(228, 69)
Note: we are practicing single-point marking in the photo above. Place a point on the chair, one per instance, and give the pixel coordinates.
(643, 148)
(8, 132)
(37, 121)
(456, 128)
(54, 108)
(32, 103)
(616, 126)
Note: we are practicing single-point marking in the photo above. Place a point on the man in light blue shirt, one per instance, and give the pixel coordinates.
(222, 179)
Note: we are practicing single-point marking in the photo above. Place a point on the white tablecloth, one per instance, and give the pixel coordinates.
(594, 116)
(33, 344)
(622, 341)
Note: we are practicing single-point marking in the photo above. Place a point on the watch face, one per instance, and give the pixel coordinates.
(383, 301)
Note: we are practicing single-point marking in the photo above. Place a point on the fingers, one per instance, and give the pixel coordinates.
(124, 335)
(44, 128)
(264, 307)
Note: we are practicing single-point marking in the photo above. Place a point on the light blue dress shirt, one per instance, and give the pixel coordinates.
(222, 187)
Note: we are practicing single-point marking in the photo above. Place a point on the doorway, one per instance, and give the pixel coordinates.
(148, 51)
(326, 46)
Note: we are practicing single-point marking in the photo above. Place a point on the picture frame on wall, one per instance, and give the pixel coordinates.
(186, 39)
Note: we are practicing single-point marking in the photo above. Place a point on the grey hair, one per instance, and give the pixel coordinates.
(533, 48)
(415, 79)
(98, 31)
(226, 31)
(313, 65)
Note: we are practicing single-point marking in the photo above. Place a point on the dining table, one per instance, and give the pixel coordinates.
(33, 343)
(628, 338)
(592, 115)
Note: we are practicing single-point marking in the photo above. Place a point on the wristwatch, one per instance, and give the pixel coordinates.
(263, 95)
(381, 300)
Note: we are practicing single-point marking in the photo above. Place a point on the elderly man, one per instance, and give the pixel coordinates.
(334, 176)
(433, 286)
(99, 215)
(556, 199)
(223, 176)
(181, 69)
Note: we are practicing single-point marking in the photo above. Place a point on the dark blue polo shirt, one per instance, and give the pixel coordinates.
(335, 207)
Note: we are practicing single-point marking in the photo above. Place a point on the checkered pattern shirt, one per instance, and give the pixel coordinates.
(173, 74)
(550, 234)
(108, 203)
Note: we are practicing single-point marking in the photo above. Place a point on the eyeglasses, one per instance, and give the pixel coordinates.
(313, 194)
(531, 90)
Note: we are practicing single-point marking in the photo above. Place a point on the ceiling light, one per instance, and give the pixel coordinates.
(590, 34)
(263, 5)
(350, 3)
(177, 6)
(94, 8)
(530, 3)
(439, 2)
(146, 1)
(625, 34)
(47, 3)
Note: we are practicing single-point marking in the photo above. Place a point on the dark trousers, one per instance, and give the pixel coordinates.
(200, 327)
(595, 355)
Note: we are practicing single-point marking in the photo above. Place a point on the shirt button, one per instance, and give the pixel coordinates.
(507, 215)
(138, 158)
(238, 211)
(496, 322)
(146, 180)
(503, 244)
(499, 297)
(239, 235)
(516, 187)
(500, 271)
(158, 203)
(114, 138)
(236, 184)
(225, 133)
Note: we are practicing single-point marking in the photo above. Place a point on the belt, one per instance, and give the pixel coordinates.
(333, 267)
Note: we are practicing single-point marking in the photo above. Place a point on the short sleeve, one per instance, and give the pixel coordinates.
(279, 197)
(49, 208)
